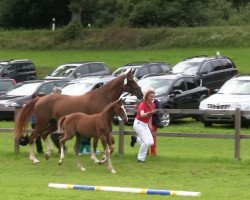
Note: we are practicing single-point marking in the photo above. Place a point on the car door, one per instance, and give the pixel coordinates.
(205, 74)
(216, 77)
(81, 71)
(155, 69)
(177, 96)
(220, 75)
(192, 94)
(21, 71)
(97, 69)
(10, 71)
(142, 72)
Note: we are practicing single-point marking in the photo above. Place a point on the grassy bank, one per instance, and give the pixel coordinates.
(47, 60)
(127, 38)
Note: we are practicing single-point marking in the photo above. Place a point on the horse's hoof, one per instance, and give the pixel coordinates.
(35, 161)
(97, 161)
(103, 161)
(46, 156)
(113, 171)
(82, 169)
(60, 163)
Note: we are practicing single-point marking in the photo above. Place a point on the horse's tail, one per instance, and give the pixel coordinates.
(60, 124)
(23, 118)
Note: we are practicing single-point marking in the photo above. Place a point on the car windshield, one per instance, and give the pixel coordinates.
(160, 85)
(24, 89)
(120, 71)
(240, 87)
(186, 67)
(63, 71)
(77, 89)
(4, 85)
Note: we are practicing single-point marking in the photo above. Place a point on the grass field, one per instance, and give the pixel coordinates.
(189, 164)
(46, 61)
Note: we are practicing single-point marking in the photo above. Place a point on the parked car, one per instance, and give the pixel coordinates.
(144, 68)
(174, 91)
(82, 85)
(213, 70)
(234, 93)
(75, 70)
(19, 70)
(21, 94)
(6, 84)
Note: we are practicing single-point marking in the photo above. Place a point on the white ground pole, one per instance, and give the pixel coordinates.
(124, 189)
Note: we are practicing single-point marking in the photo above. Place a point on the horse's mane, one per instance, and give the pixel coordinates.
(110, 105)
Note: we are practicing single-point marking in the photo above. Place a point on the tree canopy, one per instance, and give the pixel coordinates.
(30, 14)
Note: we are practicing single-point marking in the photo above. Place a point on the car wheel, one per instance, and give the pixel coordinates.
(207, 124)
(166, 119)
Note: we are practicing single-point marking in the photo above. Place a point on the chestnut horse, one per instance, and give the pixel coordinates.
(96, 126)
(50, 108)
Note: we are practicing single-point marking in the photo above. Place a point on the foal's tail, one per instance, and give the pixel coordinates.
(23, 118)
(60, 124)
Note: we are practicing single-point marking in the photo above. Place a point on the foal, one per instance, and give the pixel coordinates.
(96, 126)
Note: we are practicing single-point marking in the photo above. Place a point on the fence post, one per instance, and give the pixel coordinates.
(16, 142)
(121, 137)
(237, 133)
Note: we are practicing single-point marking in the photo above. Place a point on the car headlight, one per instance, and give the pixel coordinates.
(203, 105)
(12, 104)
(243, 106)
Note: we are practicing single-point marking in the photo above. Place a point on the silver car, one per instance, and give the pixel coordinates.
(235, 93)
(82, 85)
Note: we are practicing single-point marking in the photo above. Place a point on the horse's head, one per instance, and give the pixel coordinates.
(131, 85)
(120, 110)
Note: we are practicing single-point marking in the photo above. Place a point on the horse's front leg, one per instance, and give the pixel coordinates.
(93, 155)
(62, 154)
(77, 148)
(111, 148)
(106, 144)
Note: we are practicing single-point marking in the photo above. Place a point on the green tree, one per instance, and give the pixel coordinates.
(33, 14)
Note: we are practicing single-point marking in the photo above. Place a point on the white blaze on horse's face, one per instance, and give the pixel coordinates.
(125, 81)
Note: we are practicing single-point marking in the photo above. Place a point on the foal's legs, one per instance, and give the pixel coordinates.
(106, 143)
(62, 141)
(110, 142)
(77, 148)
(93, 155)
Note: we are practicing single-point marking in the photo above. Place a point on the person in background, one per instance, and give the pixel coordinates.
(143, 124)
(39, 146)
(55, 137)
(154, 128)
(85, 147)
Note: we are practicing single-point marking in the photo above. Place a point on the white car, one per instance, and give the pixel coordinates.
(235, 93)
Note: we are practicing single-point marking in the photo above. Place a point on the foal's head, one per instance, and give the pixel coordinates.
(131, 85)
(120, 110)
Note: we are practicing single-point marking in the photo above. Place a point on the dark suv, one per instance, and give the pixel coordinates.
(70, 71)
(20, 70)
(174, 91)
(143, 69)
(214, 71)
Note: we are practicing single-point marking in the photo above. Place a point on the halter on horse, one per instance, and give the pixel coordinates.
(50, 108)
(96, 126)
